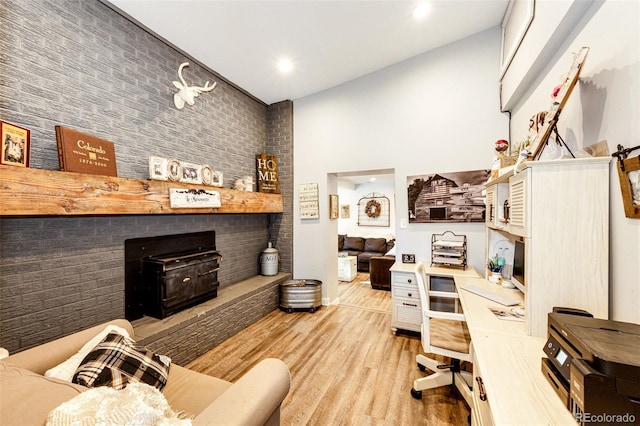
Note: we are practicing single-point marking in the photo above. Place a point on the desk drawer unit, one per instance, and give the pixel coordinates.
(406, 313)
(481, 412)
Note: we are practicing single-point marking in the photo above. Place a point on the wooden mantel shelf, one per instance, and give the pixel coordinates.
(36, 192)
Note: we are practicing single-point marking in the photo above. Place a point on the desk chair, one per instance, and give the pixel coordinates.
(443, 333)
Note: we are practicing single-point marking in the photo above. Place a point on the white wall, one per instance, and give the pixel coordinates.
(605, 105)
(350, 195)
(437, 112)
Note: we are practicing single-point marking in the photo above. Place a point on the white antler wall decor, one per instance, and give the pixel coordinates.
(188, 94)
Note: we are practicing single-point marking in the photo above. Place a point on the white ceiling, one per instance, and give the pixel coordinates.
(329, 42)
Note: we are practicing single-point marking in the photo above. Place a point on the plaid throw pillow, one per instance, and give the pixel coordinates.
(117, 361)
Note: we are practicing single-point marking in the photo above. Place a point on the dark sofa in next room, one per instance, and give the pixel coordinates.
(364, 248)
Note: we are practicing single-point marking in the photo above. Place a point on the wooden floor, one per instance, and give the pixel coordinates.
(347, 367)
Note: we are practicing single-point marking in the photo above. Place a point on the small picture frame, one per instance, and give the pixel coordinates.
(174, 170)
(217, 179)
(158, 168)
(207, 175)
(16, 145)
(345, 211)
(333, 206)
(191, 173)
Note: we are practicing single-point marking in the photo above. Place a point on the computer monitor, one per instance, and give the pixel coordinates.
(518, 277)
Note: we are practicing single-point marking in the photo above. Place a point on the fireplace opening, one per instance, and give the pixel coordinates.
(168, 273)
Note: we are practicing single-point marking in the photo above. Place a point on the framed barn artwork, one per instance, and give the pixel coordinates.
(447, 197)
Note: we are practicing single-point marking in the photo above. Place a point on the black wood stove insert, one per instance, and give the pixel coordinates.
(169, 273)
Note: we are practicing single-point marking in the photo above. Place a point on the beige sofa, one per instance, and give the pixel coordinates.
(27, 396)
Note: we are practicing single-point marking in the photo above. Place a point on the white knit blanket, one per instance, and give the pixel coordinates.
(137, 404)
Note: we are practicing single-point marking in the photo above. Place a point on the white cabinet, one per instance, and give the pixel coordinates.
(347, 268)
(406, 312)
(560, 210)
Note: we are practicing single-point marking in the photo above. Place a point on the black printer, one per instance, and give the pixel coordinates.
(594, 366)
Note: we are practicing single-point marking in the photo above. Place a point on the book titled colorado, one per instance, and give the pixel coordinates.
(84, 153)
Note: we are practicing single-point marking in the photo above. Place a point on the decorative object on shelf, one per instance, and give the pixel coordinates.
(308, 199)
(217, 179)
(560, 95)
(333, 206)
(524, 156)
(345, 211)
(373, 210)
(502, 160)
(84, 153)
(267, 170)
(16, 145)
(449, 249)
(207, 174)
(158, 169)
(523, 145)
(174, 170)
(501, 146)
(249, 182)
(244, 183)
(193, 198)
(238, 185)
(269, 261)
(629, 175)
(177, 171)
(187, 93)
(191, 173)
(447, 197)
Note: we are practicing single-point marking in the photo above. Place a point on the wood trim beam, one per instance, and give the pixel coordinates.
(36, 192)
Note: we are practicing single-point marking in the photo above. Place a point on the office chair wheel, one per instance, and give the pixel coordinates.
(416, 394)
(421, 367)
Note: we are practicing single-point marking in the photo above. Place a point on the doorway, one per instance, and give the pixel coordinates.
(354, 189)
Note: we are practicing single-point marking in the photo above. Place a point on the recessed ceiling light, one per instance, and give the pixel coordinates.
(372, 179)
(285, 65)
(421, 10)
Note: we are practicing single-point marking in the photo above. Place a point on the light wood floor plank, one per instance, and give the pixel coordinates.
(347, 367)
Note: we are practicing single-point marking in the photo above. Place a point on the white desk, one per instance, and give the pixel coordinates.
(406, 309)
(510, 364)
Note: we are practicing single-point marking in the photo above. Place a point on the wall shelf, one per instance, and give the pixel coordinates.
(37, 192)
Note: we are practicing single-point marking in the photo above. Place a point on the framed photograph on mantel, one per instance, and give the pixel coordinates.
(158, 167)
(16, 145)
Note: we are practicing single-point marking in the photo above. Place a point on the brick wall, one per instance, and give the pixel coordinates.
(280, 137)
(79, 64)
